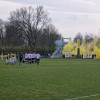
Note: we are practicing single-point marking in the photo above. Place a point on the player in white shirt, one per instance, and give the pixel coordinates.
(7, 60)
(38, 58)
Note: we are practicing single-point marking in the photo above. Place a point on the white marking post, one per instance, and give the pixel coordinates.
(83, 97)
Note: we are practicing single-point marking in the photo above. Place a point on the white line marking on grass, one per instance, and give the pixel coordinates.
(83, 97)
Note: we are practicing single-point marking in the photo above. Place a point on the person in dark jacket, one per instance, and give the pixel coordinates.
(20, 58)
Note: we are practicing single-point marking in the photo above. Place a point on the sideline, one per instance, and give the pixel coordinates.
(82, 97)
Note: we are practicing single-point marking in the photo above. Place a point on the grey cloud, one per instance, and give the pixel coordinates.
(70, 16)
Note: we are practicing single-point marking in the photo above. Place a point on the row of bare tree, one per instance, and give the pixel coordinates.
(30, 27)
(33, 28)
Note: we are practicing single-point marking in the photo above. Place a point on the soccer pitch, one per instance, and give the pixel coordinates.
(53, 79)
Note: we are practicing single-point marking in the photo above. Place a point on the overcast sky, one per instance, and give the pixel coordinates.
(69, 16)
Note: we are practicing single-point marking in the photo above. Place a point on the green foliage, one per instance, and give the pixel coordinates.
(13, 49)
(53, 79)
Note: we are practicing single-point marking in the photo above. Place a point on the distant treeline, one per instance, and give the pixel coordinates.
(28, 29)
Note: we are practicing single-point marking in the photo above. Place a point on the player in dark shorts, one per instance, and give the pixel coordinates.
(20, 58)
(38, 58)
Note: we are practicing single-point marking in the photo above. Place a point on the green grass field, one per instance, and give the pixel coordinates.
(53, 79)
